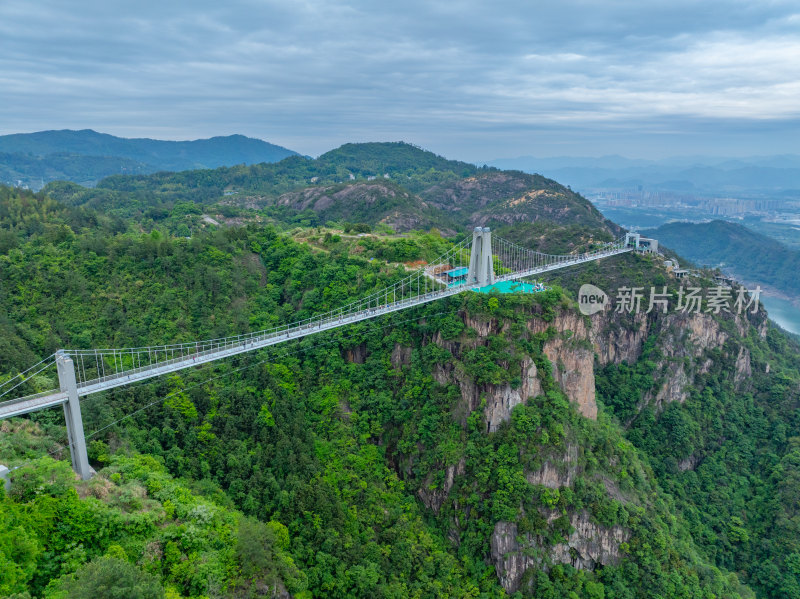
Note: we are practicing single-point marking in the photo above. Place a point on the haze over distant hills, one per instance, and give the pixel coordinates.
(492, 441)
(735, 249)
(86, 156)
(778, 174)
(394, 184)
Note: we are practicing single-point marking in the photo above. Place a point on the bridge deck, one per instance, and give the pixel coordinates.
(48, 399)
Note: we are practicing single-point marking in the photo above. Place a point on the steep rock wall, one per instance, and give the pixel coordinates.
(684, 341)
(557, 471)
(500, 400)
(568, 351)
(573, 370)
(616, 338)
(587, 546)
(572, 358)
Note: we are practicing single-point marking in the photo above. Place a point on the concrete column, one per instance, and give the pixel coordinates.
(4, 480)
(488, 263)
(481, 268)
(474, 257)
(72, 416)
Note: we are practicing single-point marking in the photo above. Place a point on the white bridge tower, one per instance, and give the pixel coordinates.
(481, 266)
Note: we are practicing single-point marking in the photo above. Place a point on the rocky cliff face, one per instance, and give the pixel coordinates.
(744, 369)
(573, 370)
(688, 345)
(356, 354)
(557, 471)
(433, 498)
(500, 400)
(572, 357)
(569, 352)
(685, 341)
(574, 345)
(572, 361)
(588, 545)
(616, 339)
(378, 201)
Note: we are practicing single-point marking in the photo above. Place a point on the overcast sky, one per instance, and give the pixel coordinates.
(469, 80)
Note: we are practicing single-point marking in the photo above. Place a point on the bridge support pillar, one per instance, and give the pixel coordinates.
(72, 416)
(481, 266)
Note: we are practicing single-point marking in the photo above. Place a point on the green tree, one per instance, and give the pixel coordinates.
(111, 578)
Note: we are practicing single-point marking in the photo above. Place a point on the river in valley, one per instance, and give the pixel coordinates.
(783, 312)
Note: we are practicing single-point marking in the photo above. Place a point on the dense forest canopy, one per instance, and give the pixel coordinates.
(395, 185)
(378, 460)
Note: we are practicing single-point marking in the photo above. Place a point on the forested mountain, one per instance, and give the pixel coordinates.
(738, 249)
(485, 445)
(35, 171)
(393, 184)
(87, 156)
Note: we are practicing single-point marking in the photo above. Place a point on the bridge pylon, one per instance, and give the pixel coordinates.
(104, 369)
(72, 416)
(481, 265)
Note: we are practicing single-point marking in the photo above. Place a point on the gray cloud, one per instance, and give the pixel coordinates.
(473, 80)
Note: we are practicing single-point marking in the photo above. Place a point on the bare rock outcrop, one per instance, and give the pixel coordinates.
(578, 342)
(401, 356)
(433, 498)
(557, 471)
(674, 387)
(614, 343)
(569, 353)
(482, 327)
(572, 359)
(744, 369)
(684, 342)
(588, 545)
(573, 370)
(692, 336)
(500, 400)
(356, 354)
(445, 374)
(704, 332)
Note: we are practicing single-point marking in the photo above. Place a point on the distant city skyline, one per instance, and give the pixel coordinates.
(468, 80)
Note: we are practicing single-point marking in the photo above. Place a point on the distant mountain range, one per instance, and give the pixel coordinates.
(394, 184)
(775, 175)
(86, 156)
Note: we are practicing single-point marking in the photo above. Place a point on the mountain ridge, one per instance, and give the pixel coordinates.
(735, 249)
(148, 155)
(392, 183)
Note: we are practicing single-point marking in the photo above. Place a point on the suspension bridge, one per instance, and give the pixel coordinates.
(476, 263)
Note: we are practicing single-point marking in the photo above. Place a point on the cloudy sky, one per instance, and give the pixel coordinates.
(467, 79)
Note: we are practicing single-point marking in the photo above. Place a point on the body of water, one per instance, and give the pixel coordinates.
(783, 312)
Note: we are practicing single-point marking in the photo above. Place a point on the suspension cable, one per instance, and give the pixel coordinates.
(47, 362)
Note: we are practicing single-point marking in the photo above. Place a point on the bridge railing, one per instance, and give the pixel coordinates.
(512, 258)
(97, 366)
(97, 369)
(217, 351)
